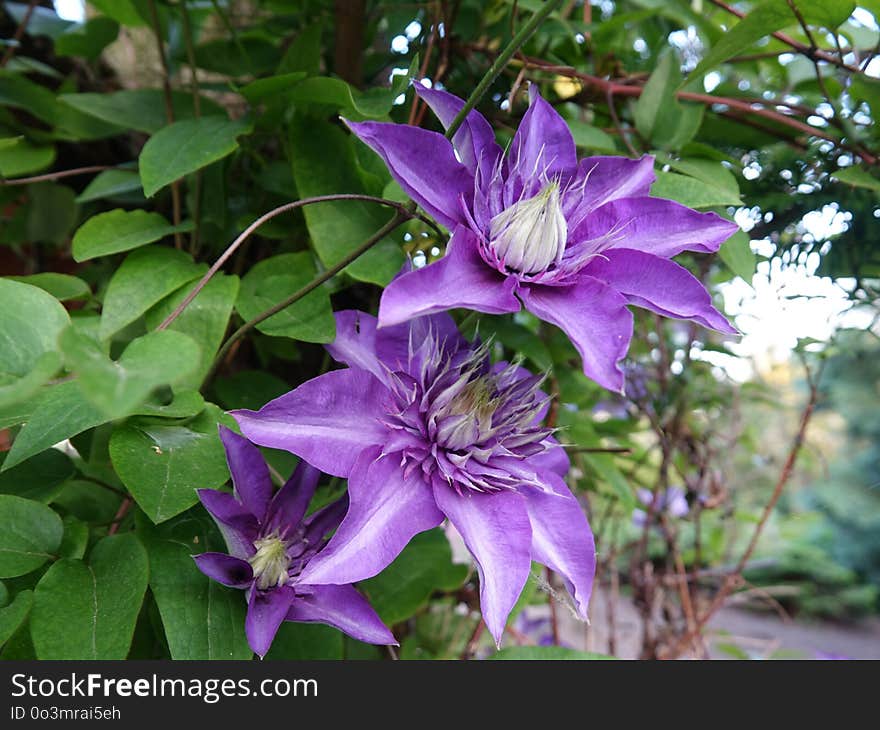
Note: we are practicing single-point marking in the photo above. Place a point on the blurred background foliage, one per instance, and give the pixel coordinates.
(138, 138)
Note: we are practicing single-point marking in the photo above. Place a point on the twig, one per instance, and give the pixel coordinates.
(473, 642)
(197, 111)
(120, 515)
(169, 112)
(19, 33)
(56, 175)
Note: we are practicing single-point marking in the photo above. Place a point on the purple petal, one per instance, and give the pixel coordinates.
(562, 539)
(543, 143)
(554, 459)
(343, 608)
(266, 611)
(394, 343)
(424, 164)
(596, 320)
(601, 179)
(460, 279)
(290, 503)
(237, 525)
(322, 521)
(355, 343)
(327, 421)
(654, 225)
(225, 569)
(385, 512)
(250, 475)
(474, 140)
(496, 530)
(659, 285)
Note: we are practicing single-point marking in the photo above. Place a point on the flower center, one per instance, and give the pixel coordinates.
(270, 563)
(467, 418)
(530, 235)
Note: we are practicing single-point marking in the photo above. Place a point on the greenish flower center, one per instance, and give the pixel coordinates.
(530, 235)
(270, 563)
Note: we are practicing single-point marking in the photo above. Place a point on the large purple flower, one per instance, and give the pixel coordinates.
(271, 542)
(426, 428)
(574, 242)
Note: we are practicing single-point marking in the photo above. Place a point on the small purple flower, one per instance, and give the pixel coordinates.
(426, 428)
(573, 242)
(270, 543)
(672, 502)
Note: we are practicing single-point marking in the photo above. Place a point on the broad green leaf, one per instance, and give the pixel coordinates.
(186, 146)
(40, 478)
(131, 13)
(257, 91)
(591, 138)
(245, 56)
(13, 615)
(248, 389)
(186, 403)
(29, 326)
(23, 158)
(609, 472)
(88, 501)
(323, 164)
(30, 533)
(205, 320)
(59, 199)
(88, 610)
(61, 286)
(546, 653)
(766, 18)
(326, 91)
(118, 387)
(120, 230)
(691, 192)
(57, 413)
(857, 177)
(147, 276)
(272, 280)
(737, 253)
(521, 340)
(15, 390)
(141, 109)
(202, 619)
(87, 40)
(658, 115)
(304, 54)
(163, 466)
(75, 540)
(296, 641)
(424, 566)
(710, 172)
(109, 184)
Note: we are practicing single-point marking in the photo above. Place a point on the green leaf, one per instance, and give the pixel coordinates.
(336, 93)
(522, 340)
(58, 413)
(609, 473)
(257, 91)
(857, 177)
(546, 653)
(691, 192)
(13, 615)
(118, 387)
(588, 137)
(272, 280)
(202, 619)
(186, 146)
(75, 540)
(205, 320)
(58, 199)
(109, 184)
(658, 115)
(250, 389)
(88, 501)
(296, 641)
(147, 276)
(24, 158)
(324, 163)
(120, 230)
(711, 172)
(29, 328)
(15, 390)
(424, 566)
(30, 533)
(61, 286)
(88, 611)
(40, 478)
(186, 403)
(163, 466)
(737, 253)
(87, 40)
(142, 109)
(769, 17)
(131, 13)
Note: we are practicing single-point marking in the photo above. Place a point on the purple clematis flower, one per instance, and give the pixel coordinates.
(425, 428)
(271, 542)
(573, 242)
